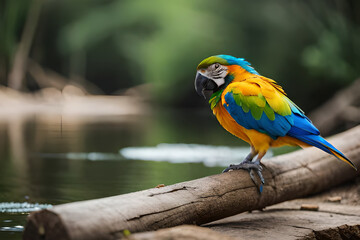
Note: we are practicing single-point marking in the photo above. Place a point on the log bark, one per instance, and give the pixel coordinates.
(288, 222)
(337, 217)
(183, 232)
(199, 201)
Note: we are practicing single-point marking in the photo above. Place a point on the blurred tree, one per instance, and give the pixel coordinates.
(19, 64)
(336, 50)
(309, 47)
(12, 17)
(158, 43)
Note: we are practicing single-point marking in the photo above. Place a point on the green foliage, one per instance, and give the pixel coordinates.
(334, 51)
(309, 47)
(158, 42)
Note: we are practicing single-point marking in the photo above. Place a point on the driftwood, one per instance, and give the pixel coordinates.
(199, 201)
(340, 112)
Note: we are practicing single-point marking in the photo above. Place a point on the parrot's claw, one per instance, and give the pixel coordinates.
(244, 165)
(249, 166)
(259, 173)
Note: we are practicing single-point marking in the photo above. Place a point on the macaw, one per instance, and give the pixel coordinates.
(255, 109)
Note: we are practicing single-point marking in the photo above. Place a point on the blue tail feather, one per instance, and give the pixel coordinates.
(319, 142)
(306, 132)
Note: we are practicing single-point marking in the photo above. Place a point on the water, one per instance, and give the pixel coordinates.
(54, 159)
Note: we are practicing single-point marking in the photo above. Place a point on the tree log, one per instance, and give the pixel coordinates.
(183, 232)
(199, 201)
(340, 112)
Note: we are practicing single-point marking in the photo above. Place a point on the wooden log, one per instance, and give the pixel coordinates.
(199, 201)
(183, 232)
(332, 220)
(286, 221)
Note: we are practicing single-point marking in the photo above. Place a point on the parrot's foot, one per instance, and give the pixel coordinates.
(249, 166)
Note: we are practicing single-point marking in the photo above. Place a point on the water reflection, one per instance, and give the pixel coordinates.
(209, 155)
(45, 158)
(29, 172)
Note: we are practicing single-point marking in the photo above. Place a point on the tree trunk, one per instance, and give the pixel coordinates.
(199, 201)
(19, 66)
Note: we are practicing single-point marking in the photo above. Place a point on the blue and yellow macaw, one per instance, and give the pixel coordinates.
(255, 109)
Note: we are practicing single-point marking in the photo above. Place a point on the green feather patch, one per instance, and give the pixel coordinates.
(269, 112)
(257, 105)
(215, 98)
(211, 60)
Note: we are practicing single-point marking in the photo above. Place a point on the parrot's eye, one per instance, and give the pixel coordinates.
(217, 65)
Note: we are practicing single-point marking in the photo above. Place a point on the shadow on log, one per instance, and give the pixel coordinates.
(199, 201)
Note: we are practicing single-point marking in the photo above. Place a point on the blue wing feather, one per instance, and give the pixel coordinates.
(295, 125)
(302, 125)
(279, 127)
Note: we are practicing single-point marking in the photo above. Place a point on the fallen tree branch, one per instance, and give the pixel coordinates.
(47, 78)
(341, 111)
(199, 201)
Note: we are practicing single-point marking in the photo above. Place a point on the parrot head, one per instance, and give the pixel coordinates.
(213, 73)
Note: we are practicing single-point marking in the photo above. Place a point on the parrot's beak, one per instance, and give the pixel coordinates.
(204, 86)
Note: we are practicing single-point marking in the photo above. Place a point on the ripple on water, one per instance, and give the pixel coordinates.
(12, 216)
(210, 156)
(22, 207)
(17, 228)
(185, 153)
